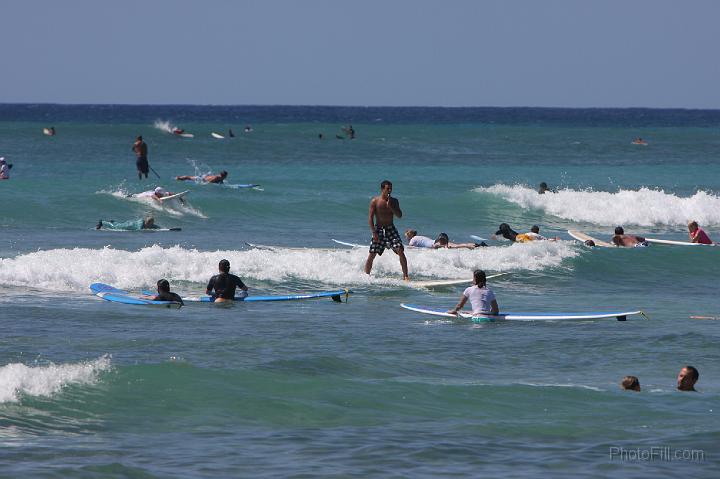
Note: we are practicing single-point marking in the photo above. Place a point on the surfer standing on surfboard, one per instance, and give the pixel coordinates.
(384, 233)
(141, 151)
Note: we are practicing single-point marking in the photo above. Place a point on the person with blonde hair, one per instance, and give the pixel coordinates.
(696, 234)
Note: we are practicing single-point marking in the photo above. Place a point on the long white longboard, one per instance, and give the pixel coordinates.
(582, 237)
(619, 315)
(217, 135)
(437, 283)
(676, 243)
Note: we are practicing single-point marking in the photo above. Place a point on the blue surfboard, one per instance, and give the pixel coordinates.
(334, 295)
(110, 293)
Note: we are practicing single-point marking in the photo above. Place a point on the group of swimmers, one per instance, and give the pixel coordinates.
(686, 379)
(222, 287)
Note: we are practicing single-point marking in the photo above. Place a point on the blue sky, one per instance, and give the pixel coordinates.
(555, 53)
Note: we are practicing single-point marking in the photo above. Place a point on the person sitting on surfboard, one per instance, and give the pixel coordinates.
(627, 241)
(481, 297)
(147, 223)
(222, 286)
(384, 233)
(164, 293)
(696, 234)
(219, 178)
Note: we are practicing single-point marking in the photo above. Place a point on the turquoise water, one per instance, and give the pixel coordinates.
(94, 389)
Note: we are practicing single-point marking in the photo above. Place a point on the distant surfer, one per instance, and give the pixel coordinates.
(533, 235)
(4, 169)
(630, 383)
(687, 377)
(164, 293)
(222, 286)
(141, 151)
(627, 241)
(697, 235)
(543, 188)
(178, 131)
(349, 131)
(639, 141)
(482, 299)
(147, 223)
(49, 131)
(384, 233)
(442, 241)
(157, 194)
(219, 178)
(230, 133)
(247, 129)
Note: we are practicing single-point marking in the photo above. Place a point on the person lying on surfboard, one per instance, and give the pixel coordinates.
(533, 235)
(481, 297)
(442, 241)
(157, 194)
(4, 169)
(627, 241)
(696, 234)
(219, 178)
(222, 285)
(147, 223)
(164, 293)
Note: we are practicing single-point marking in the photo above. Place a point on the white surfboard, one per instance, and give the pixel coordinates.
(217, 135)
(676, 243)
(175, 196)
(48, 132)
(478, 238)
(582, 237)
(345, 243)
(185, 135)
(438, 283)
(619, 315)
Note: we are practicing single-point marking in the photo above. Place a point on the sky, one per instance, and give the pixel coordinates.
(544, 53)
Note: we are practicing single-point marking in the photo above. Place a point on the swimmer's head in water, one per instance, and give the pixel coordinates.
(224, 266)
(223, 174)
(163, 286)
(619, 230)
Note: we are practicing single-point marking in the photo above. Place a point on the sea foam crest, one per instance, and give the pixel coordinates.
(17, 379)
(164, 125)
(642, 207)
(75, 269)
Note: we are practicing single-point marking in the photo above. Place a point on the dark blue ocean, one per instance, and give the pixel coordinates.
(90, 388)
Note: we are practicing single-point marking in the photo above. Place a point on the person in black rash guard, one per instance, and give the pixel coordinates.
(224, 284)
(164, 294)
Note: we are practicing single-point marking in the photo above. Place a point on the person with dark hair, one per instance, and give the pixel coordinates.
(141, 152)
(219, 178)
(533, 235)
(384, 233)
(627, 241)
(222, 286)
(481, 297)
(442, 241)
(630, 383)
(687, 377)
(543, 188)
(4, 169)
(164, 294)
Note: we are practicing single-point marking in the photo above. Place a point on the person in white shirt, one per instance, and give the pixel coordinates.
(442, 241)
(481, 298)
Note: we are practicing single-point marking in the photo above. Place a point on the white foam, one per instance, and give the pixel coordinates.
(642, 207)
(164, 125)
(18, 379)
(172, 207)
(75, 269)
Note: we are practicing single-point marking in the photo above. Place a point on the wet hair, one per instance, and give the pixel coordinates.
(693, 223)
(442, 238)
(163, 285)
(694, 374)
(223, 173)
(535, 229)
(619, 230)
(506, 232)
(224, 266)
(385, 183)
(589, 243)
(543, 185)
(479, 277)
(139, 138)
(630, 383)
(410, 232)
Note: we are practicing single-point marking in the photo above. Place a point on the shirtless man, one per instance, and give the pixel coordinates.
(384, 234)
(219, 178)
(141, 151)
(627, 241)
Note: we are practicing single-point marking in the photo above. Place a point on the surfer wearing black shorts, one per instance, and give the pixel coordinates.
(140, 149)
(384, 233)
(222, 286)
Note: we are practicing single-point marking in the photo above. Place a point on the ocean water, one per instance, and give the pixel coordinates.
(90, 388)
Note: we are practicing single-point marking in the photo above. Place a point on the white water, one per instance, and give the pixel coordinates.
(18, 379)
(642, 207)
(75, 269)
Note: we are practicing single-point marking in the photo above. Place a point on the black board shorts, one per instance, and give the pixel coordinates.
(388, 237)
(142, 164)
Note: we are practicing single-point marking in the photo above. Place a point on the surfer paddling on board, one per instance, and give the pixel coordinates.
(627, 241)
(481, 297)
(219, 178)
(384, 233)
(4, 169)
(696, 234)
(147, 223)
(222, 286)
(164, 293)
(141, 151)
(442, 241)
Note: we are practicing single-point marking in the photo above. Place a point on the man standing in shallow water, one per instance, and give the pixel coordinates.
(384, 233)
